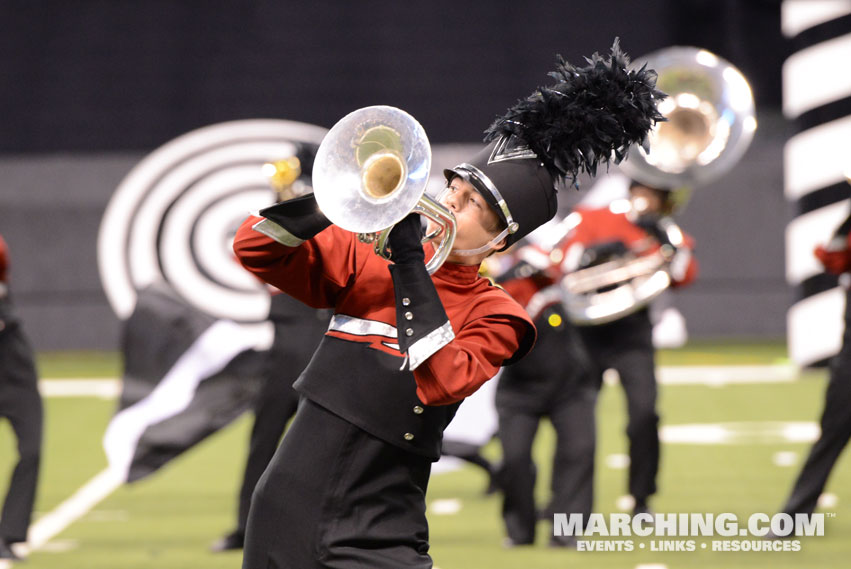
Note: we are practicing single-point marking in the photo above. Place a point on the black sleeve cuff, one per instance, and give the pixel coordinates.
(300, 216)
(421, 321)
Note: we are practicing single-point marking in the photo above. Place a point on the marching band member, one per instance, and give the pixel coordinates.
(835, 423)
(347, 486)
(638, 227)
(20, 403)
(553, 381)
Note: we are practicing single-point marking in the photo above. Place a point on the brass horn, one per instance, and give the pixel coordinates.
(711, 122)
(620, 286)
(371, 170)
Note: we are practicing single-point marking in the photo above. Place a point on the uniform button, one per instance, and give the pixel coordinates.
(418, 410)
(406, 301)
(409, 332)
(556, 256)
(409, 436)
(409, 316)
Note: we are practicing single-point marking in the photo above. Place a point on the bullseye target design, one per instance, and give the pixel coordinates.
(174, 215)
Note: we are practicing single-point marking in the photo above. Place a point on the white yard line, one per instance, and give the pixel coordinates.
(84, 499)
(104, 387)
(724, 375)
(110, 388)
(740, 432)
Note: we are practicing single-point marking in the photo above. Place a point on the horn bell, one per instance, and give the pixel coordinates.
(371, 169)
(711, 122)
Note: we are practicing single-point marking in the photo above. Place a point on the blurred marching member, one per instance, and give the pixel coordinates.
(552, 381)
(638, 228)
(20, 403)
(298, 330)
(347, 486)
(669, 325)
(835, 256)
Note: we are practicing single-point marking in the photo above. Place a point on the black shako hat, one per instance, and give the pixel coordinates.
(591, 115)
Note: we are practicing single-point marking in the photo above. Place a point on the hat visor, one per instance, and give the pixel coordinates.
(449, 173)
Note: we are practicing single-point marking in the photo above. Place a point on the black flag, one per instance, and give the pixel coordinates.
(186, 375)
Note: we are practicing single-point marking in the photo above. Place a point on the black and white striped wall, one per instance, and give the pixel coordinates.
(817, 158)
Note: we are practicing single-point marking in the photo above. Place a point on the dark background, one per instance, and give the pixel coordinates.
(113, 74)
(88, 88)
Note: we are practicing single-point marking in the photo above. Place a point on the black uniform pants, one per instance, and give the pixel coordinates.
(20, 402)
(572, 483)
(336, 497)
(552, 381)
(835, 431)
(626, 345)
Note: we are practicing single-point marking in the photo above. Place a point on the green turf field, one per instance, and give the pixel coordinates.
(169, 520)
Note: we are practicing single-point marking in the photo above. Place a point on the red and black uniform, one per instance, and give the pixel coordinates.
(4, 262)
(835, 423)
(20, 402)
(626, 344)
(347, 485)
(553, 381)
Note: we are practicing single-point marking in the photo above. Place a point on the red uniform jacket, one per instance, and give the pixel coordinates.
(356, 372)
(4, 260)
(531, 280)
(604, 225)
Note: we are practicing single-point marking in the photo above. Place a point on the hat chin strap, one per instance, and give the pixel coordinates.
(492, 244)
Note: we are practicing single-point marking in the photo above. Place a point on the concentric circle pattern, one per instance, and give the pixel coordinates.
(173, 217)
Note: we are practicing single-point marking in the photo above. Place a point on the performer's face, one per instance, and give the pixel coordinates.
(476, 222)
(647, 200)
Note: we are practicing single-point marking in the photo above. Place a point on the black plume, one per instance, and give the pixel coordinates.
(591, 115)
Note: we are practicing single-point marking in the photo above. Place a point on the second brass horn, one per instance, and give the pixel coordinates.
(710, 123)
(711, 120)
(371, 170)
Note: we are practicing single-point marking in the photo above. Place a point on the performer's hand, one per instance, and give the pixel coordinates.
(405, 241)
(651, 223)
(601, 252)
(836, 260)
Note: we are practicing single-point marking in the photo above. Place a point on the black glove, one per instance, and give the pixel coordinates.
(300, 216)
(651, 223)
(602, 252)
(405, 241)
(419, 311)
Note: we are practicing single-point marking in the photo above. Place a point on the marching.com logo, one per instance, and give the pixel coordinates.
(689, 525)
